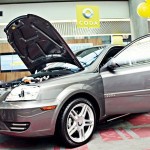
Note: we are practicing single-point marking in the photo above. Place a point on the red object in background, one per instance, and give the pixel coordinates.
(142, 132)
(140, 120)
(110, 135)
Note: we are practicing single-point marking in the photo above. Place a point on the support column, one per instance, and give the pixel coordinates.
(139, 25)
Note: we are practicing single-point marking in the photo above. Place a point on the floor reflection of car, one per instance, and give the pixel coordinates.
(69, 99)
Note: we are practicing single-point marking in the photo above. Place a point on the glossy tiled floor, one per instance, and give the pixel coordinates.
(129, 133)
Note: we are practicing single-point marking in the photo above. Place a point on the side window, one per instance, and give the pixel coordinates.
(111, 53)
(136, 54)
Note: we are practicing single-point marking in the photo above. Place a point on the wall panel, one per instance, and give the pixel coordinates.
(5, 48)
(8, 76)
(95, 41)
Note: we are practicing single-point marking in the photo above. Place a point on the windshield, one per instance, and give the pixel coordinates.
(84, 52)
(87, 60)
(86, 57)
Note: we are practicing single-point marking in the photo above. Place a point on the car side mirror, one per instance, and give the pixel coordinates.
(112, 65)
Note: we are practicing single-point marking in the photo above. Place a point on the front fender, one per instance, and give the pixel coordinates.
(72, 90)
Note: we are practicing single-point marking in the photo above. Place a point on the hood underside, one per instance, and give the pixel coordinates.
(37, 42)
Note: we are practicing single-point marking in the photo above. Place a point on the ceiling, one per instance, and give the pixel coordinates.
(42, 1)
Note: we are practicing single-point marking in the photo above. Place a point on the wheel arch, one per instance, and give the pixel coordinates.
(80, 95)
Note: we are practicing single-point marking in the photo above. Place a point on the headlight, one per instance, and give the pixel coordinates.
(23, 92)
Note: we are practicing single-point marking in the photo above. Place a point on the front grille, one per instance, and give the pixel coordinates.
(18, 126)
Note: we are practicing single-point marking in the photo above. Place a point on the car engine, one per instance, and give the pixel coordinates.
(38, 77)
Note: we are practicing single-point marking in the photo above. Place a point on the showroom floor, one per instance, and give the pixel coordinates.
(128, 133)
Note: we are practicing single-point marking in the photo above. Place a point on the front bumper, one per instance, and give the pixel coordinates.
(26, 122)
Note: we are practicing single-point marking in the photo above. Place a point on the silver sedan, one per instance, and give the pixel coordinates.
(67, 95)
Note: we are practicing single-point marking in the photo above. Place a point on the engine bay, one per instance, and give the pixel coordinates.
(40, 76)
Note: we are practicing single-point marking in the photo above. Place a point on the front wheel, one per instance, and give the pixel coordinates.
(78, 122)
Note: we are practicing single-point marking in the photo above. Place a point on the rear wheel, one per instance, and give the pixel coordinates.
(78, 122)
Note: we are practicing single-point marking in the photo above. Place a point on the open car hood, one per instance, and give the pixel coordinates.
(37, 42)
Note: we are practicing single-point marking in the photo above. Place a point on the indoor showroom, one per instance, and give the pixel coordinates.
(75, 75)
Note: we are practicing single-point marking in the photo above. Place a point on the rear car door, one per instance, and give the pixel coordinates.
(127, 87)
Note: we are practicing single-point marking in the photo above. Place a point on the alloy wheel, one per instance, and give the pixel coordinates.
(80, 122)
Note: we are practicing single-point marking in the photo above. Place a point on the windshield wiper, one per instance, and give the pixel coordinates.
(91, 61)
(84, 63)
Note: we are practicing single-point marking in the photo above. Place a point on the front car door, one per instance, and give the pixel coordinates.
(127, 87)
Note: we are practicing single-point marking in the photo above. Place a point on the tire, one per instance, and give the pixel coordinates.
(77, 122)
